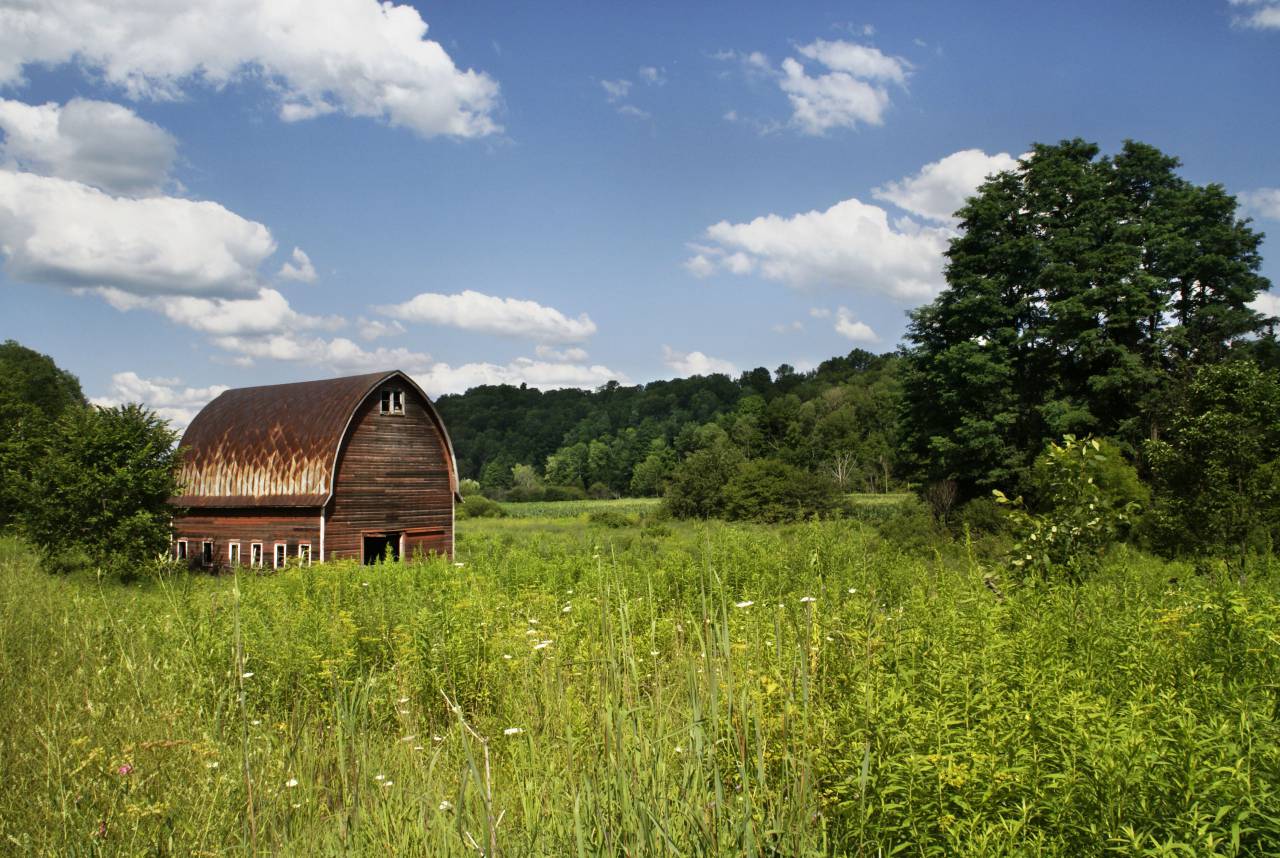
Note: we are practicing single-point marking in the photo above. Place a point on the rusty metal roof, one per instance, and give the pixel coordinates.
(277, 445)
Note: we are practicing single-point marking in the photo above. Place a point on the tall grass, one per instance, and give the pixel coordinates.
(724, 690)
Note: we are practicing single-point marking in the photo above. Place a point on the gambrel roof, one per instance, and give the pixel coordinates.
(278, 445)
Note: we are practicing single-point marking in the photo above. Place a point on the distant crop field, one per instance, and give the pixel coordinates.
(573, 509)
(705, 689)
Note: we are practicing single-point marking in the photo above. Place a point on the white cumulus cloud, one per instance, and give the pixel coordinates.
(357, 57)
(298, 267)
(1267, 303)
(940, 188)
(475, 311)
(338, 354)
(373, 329)
(165, 396)
(1262, 202)
(97, 143)
(695, 363)
(1258, 14)
(543, 374)
(849, 245)
(65, 233)
(849, 327)
(853, 89)
(269, 312)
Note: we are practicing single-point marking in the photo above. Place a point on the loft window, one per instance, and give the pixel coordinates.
(206, 552)
(181, 550)
(280, 554)
(233, 553)
(304, 553)
(393, 402)
(255, 554)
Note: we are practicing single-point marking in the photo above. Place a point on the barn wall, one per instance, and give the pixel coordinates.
(292, 527)
(393, 476)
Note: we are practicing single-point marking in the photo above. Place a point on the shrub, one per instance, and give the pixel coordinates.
(479, 506)
(696, 486)
(609, 518)
(1079, 520)
(911, 526)
(563, 493)
(600, 491)
(468, 487)
(770, 490)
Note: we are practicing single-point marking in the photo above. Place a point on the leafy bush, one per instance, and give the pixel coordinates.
(468, 487)
(696, 487)
(600, 491)
(563, 493)
(1217, 469)
(610, 518)
(479, 506)
(1079, 520)
(911, 526)
(770, 490)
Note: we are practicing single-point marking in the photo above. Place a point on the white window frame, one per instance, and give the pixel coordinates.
(252, 563)
(304, 553)
(391, 401)
(181, 550)
(280, 555)
(206, 554)
(233, 553)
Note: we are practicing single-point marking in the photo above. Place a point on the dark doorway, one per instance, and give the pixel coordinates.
(381, 546)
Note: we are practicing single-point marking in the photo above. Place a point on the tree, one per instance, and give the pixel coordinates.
(1216, 470)
(100, 482)
(696, 486)
(1080, 292)
(34, 393)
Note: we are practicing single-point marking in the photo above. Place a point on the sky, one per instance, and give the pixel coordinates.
(247, 192)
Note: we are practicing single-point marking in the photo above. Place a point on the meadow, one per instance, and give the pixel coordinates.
(661, 688)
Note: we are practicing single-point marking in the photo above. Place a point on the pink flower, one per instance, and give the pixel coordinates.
(124, 770)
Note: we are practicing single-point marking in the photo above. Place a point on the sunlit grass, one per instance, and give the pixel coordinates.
(712, 690)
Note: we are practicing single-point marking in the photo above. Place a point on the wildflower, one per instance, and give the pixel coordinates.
(543, 644)
(124, 769)
(530, 631)
(248, 674)
(417, 747)
(437, 738)
(513, 731)
(852, 590)
(379, 777)
(387, 783)
(459, 565)
(212, 764)
(403, 711)
(296, 805)
(653, 652)
(745, 604)
(291, 783)
(364, 583)
(679, 750)
(256, 721)
(446, 805)
(408, 738)
(804, 600)
(403, 700)
(532, 621)
(566, 609)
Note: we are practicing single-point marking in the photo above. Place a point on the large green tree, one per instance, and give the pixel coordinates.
(34, 393)
(1080, 291)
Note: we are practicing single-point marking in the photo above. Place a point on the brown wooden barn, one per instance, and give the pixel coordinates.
(358, 467)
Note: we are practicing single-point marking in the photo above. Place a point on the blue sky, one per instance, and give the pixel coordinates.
(253, 192)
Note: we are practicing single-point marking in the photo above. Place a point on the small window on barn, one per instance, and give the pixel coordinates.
(181, 551)
(255, 554)
(233, 553)
(393, 402)
(206, 552)
(304, 553)
(281, 554)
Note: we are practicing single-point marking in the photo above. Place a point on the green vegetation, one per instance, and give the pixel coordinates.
(722, 690)
(1082, 293)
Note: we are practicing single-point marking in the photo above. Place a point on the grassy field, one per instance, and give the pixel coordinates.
(567, 689)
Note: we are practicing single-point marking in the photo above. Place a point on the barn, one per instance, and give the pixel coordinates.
(358, 467)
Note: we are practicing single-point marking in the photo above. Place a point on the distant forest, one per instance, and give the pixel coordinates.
(839, 420)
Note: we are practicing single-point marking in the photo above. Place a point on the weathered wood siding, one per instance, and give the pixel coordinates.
(222, 527)
(393, 476)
